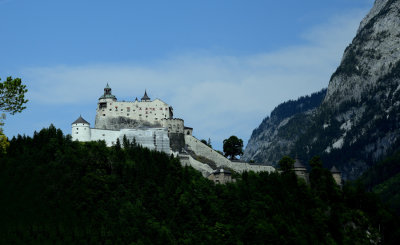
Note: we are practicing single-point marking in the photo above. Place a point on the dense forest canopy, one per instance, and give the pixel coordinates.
(56, 191)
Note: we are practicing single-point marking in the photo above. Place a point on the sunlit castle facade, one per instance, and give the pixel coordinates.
(149, 122)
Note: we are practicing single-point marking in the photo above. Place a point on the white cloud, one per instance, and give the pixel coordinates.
(217, 95)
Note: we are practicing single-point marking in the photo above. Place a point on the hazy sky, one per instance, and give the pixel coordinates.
(222, 65)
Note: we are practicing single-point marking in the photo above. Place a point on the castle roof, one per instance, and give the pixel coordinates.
(298, 164)
(107, 93)
(145, 96)
(80, 120)
(334, 170)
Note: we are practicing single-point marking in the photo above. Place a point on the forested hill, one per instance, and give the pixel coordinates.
(55, 191)
(278, 132)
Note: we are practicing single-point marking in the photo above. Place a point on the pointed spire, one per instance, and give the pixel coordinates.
(145, 96)
(80, 120)
(334, 170)
(107, 86)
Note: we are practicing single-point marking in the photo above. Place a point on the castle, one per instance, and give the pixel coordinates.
(150, 123)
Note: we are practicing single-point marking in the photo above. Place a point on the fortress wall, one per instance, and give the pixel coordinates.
(203, 150)
(109, 136)
(174, 125)
(187, 160)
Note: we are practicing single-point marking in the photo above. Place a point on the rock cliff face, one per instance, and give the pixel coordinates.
(357, 123)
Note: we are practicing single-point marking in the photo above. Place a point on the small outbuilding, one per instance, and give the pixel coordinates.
(221, 176)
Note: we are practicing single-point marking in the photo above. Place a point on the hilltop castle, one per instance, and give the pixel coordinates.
(149, 122)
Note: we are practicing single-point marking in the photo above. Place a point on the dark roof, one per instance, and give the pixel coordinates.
(145, 97)
(298, 164)
(80, 120)
(221, 170)
(188, 127)
(334, 170)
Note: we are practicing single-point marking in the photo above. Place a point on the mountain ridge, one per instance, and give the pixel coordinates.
(356, 124)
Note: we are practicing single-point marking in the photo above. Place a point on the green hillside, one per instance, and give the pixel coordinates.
(55, 191)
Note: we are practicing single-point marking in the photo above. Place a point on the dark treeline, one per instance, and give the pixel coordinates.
(55, 191)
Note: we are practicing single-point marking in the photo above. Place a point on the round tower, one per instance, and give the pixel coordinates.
(81, 130)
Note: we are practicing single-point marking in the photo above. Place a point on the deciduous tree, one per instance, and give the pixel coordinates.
(233, 147)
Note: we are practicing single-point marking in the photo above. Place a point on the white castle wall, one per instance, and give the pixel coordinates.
(152, 138)
(109, 136)
(203, 150)
(149, 111)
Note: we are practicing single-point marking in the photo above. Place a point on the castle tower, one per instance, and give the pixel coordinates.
(81, 130)
(300, 170)
(337, 175)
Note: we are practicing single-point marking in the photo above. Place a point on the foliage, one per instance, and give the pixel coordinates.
(233, 147)
(12, 100)
(56, 191)
(286, 164)
(206, 142)
(3, 139)
(12, 95)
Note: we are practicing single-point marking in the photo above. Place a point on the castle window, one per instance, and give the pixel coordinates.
(128, 109)
(76, 132)
(160, 109)
(127, 114)
(140, 115)
(104, 115)
(110, 109)
(77, 129)
(155, 118)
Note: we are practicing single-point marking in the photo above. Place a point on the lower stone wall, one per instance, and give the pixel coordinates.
(187, 160)
(201, 149)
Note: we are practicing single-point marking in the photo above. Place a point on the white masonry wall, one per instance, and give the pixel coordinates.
(109, 136)
(149, 111)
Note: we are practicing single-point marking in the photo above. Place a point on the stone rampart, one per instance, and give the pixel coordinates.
(203, 150)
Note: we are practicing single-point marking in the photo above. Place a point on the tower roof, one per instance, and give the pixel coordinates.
(107, 93)
(145, 96)
(298, 164)
(81, 120)
(334, 170)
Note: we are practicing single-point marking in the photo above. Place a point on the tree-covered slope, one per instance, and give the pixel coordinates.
(276, 135)
(55, 191)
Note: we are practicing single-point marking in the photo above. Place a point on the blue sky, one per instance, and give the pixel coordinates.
(222, 65)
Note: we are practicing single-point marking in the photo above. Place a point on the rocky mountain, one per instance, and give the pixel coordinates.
(357, 123)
